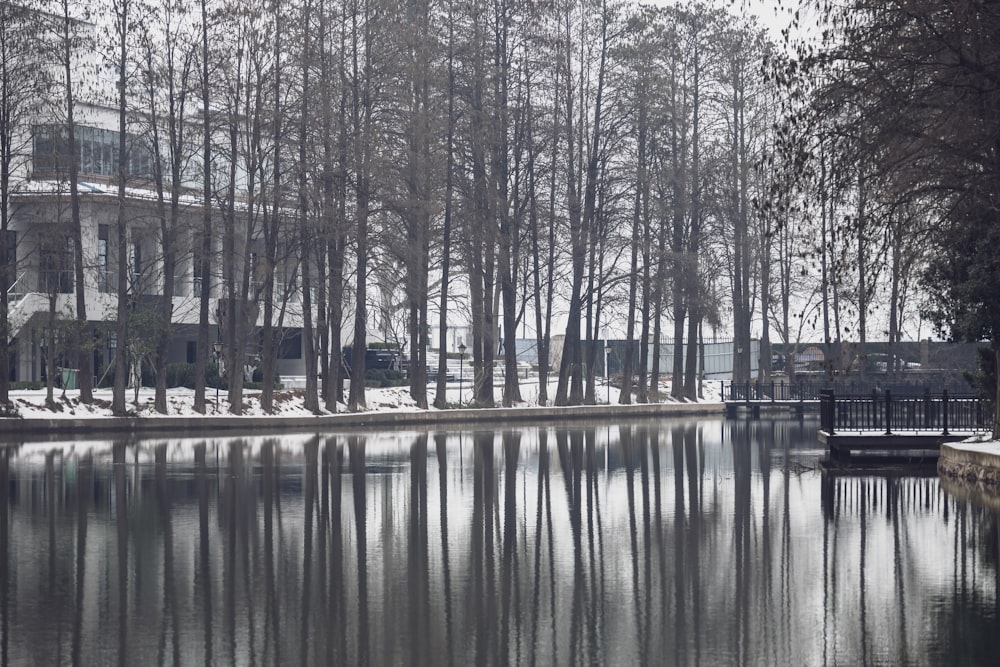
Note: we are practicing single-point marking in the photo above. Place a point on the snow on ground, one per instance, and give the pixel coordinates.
(31, 404)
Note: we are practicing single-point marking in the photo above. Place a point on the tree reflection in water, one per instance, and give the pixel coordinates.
(653, 542)
(5, 553)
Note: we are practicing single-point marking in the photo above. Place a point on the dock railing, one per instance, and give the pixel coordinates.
(810, 390)
(882, 412)
(771, 391)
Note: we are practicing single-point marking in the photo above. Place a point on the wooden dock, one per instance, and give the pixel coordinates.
(880, 424)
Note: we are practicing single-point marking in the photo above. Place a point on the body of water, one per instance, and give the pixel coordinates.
(674, 542)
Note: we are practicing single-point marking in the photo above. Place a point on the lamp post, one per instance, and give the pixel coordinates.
(607, 368)
(217, 349)
(461, 370)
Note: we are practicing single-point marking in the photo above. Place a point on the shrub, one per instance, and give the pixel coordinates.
(380, 378)
(258, 379)
(23, 385)
(259, 385)
(108, 379)
(180, 375)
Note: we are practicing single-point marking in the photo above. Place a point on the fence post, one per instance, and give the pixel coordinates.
(927, 407)
(944, 401)
(826, 410)
(875, 421)
(888, 412)
(772, 391)
(722, 388)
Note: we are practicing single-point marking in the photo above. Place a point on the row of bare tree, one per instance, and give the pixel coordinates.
(610, 166)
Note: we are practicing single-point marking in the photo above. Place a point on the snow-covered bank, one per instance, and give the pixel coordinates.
(386, 409)
(287, 403)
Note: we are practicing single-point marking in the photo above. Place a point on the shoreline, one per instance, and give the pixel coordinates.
(973, 463)
(41, 428)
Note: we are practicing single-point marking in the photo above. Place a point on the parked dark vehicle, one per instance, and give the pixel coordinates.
(376, 359)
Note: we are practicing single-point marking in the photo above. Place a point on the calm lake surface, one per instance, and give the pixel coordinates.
(671, 542)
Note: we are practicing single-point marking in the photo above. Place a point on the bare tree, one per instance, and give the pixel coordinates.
(24, 89)
(440, 398)
(169, 73)
(69, 40)
(362, 106)
(122, 29)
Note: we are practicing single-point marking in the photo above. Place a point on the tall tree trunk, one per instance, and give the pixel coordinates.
(678, 268)
(996, 401)
(121, 226)
(508, 232)
(305, 234)
(272, 225)
(440, 397)
(863, 269)
(482, 231)
(417, 210)
(582, 217)
(361, 112)
(543, 310)
(640, 222)
(169, 216)
(205, 237)
(892, 363)
(741, 243)
(81, 334)
(694, 291)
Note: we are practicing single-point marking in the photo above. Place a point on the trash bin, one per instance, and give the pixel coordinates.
(69, 378)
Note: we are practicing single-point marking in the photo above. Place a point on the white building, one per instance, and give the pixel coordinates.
(42, 252)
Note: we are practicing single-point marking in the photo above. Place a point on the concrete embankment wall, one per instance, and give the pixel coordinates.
(20, 430)
(971, 462)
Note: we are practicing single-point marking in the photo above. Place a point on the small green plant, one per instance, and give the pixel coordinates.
(180, 375)
(381, 378)
(22, 385)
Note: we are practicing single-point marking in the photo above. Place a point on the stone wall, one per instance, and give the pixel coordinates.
(974, 463)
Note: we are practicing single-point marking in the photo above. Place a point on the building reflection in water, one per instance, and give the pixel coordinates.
(645, 543)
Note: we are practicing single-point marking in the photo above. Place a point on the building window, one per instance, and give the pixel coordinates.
(290, 346)
(137, 286)
(55, 266)
(13, 280)
(97, 152)
(49, 151)
(255, 286)
(197, 252)
(103, 259)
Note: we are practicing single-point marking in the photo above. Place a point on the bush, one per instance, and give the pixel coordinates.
(23, 385)
(379, 345)
(380, 378)
(109, 378)
(106, 380)
(984, 379)
(258, 376)
(180, 375)
(257, 386)
(212, 379)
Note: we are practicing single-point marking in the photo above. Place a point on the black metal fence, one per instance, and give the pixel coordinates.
(771, 391)
(780, 390)
(884, 412)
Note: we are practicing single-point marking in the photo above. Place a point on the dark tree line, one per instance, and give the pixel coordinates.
(897, 131)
